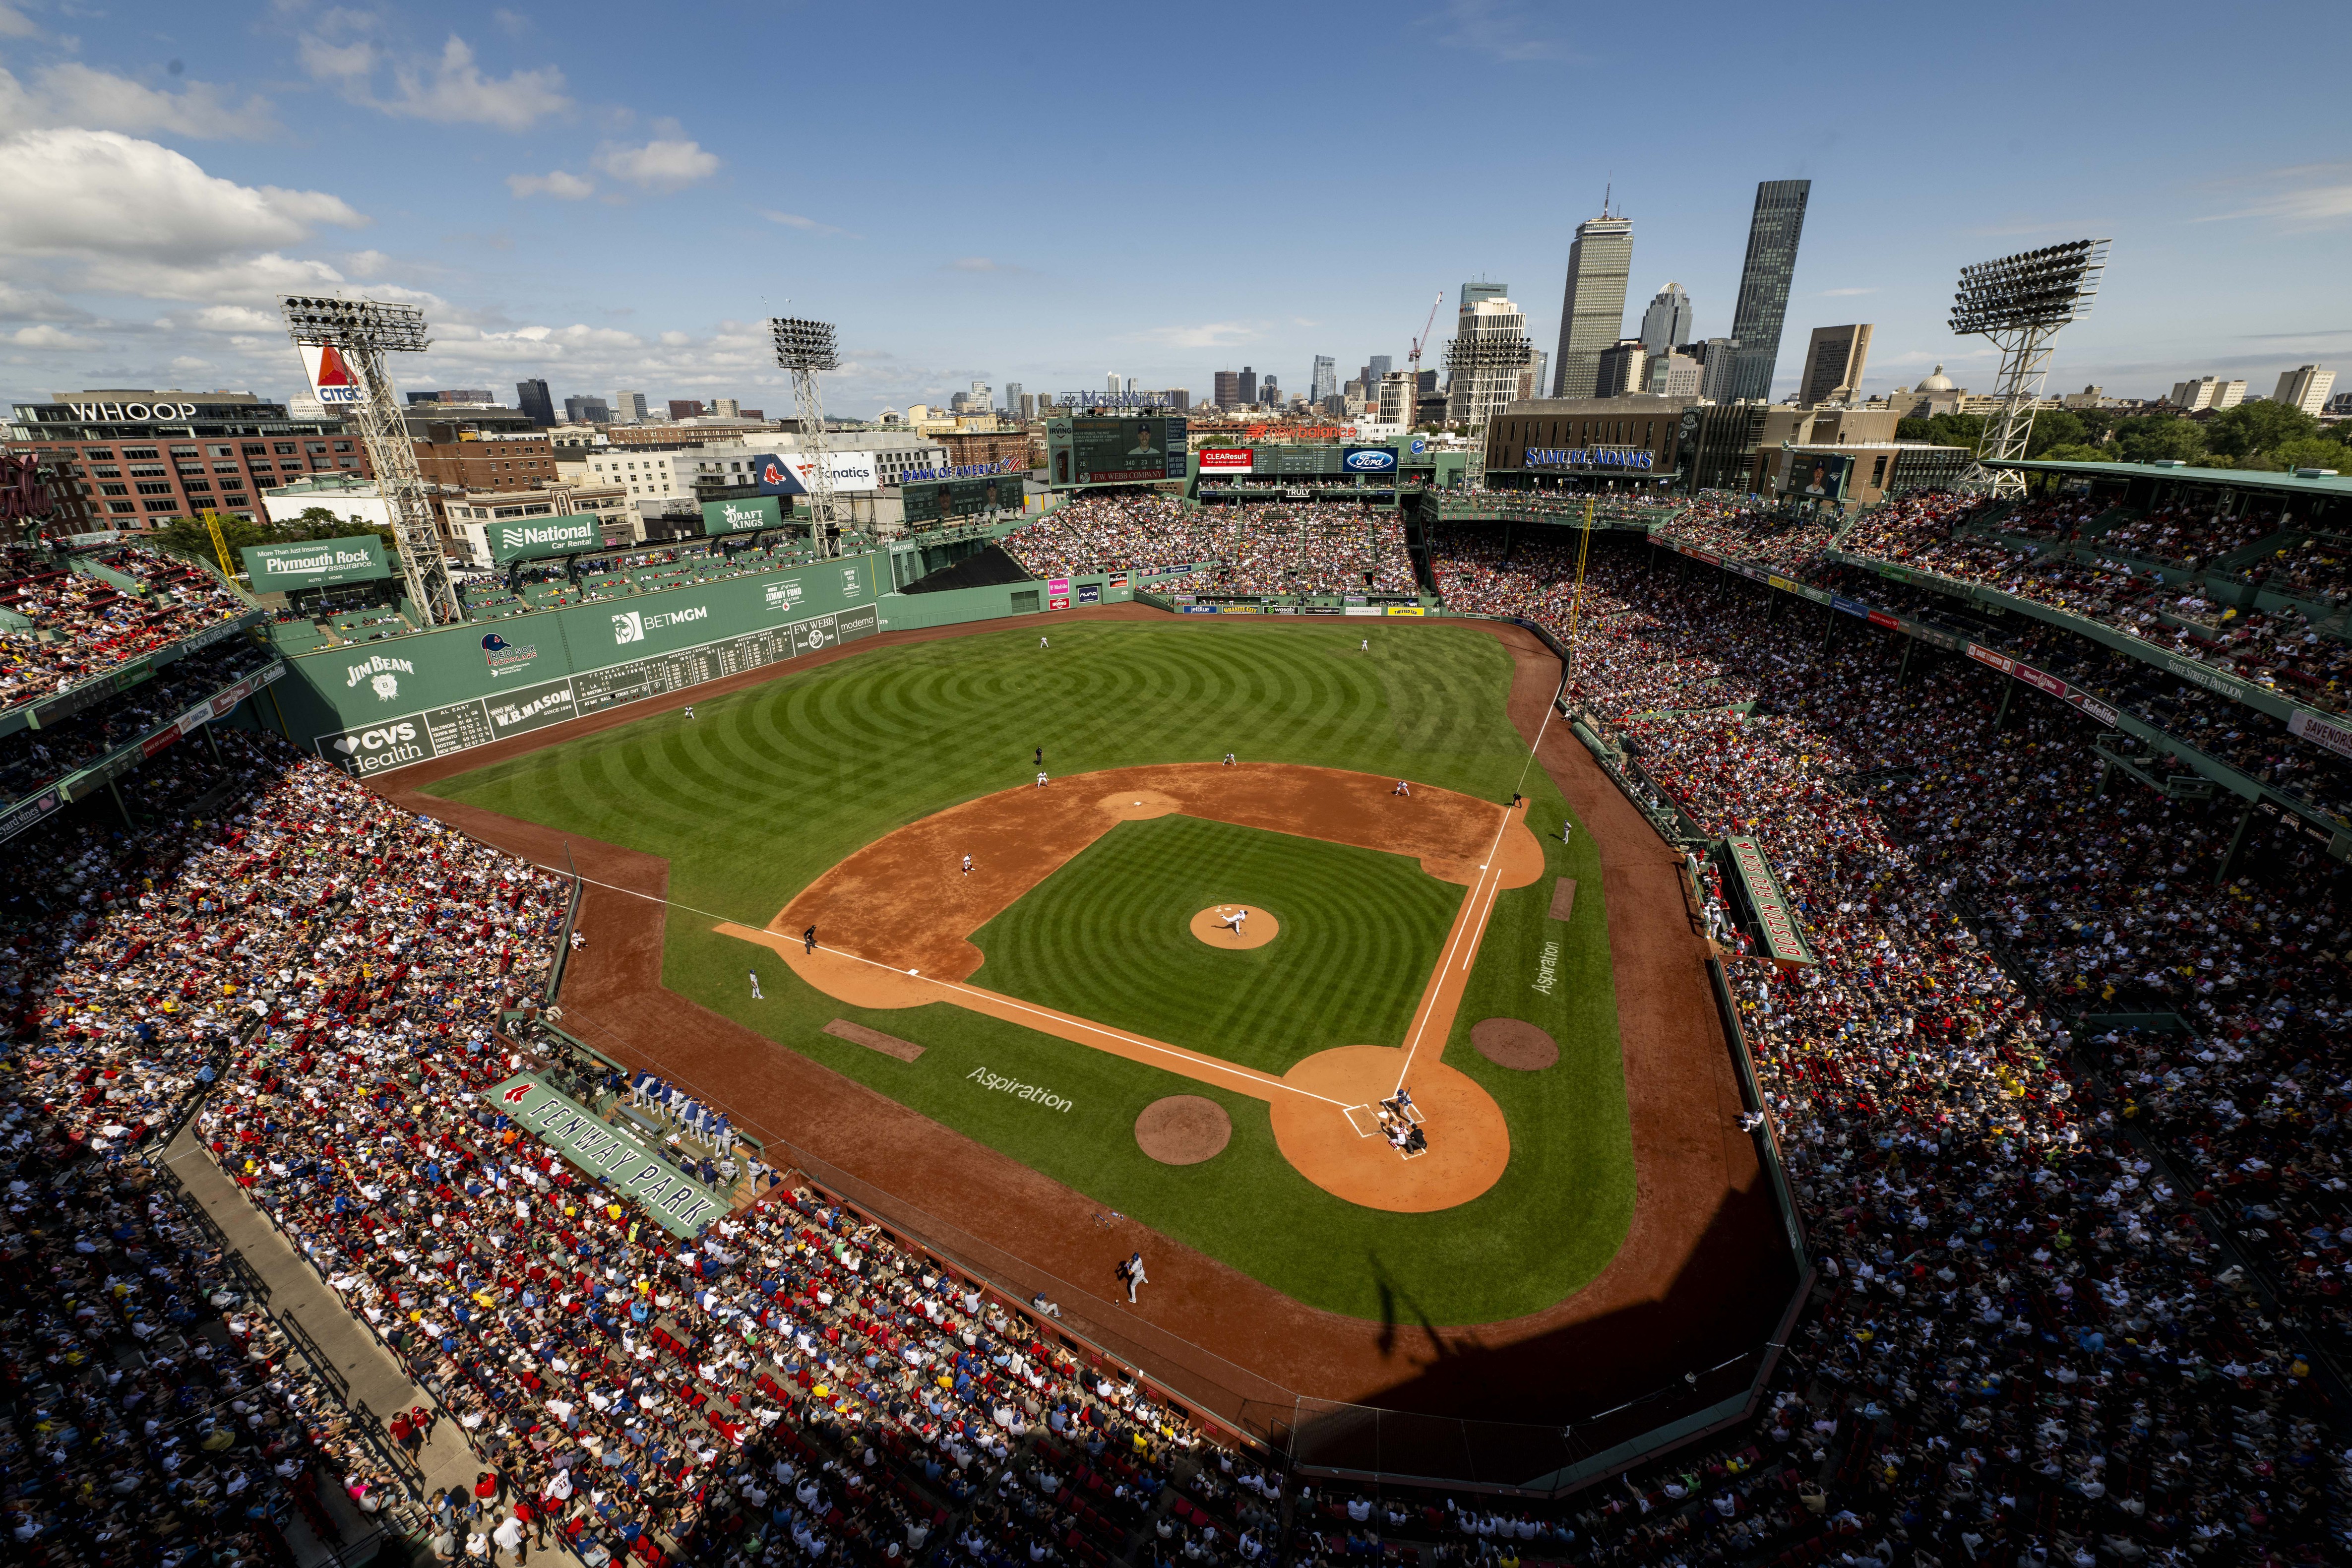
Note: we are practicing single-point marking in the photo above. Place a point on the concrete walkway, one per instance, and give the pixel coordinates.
(297, 1294)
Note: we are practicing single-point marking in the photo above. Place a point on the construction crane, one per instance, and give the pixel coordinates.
(1414, 359)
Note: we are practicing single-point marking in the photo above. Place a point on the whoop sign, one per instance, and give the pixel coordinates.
(331, 375)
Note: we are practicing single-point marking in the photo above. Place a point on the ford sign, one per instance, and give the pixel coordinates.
(1371, 461)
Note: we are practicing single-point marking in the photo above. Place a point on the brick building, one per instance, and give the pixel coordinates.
(489, 463)
(133, 459)
(966, 448)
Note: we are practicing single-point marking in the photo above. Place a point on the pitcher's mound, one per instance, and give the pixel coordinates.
(1514, 1043)
(1258, 929)
(1183, 1129)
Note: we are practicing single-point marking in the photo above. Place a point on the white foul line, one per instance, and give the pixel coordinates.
(1238, 1071)
(1470, 922)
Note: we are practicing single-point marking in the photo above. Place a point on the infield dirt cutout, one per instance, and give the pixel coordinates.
(1215, 926)
(895, 920)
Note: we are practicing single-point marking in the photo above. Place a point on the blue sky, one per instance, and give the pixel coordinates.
(612, 196)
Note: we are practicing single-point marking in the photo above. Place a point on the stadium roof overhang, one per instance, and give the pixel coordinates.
(2331, 487)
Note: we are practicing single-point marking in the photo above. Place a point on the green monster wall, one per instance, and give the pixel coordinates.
(374, 706)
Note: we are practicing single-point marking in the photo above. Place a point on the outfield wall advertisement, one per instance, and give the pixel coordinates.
(408, 699)
(315, 563)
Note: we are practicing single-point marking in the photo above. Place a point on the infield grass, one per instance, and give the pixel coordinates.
(1107, 937)
(772, 785)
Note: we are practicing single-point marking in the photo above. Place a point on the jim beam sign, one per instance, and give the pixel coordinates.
(614, 1156)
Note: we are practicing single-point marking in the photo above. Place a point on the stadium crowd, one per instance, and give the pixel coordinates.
(2124, 585)
(790, 1382)
(2031, 1340)
(80, 624)
(1257, 548)
(2031, 1345)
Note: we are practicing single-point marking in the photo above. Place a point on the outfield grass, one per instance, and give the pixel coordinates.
(1107, 937)
(769, 786)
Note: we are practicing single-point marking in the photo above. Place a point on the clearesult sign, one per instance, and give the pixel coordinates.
(748, 516)
(612, 1155)
(525, 539)
(314, 564)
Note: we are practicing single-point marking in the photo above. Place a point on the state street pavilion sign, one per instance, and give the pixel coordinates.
(612, 1155)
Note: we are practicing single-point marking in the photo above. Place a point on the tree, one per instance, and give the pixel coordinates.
(2253, 429)
(2152, 437)
(2055, 427)
(2313, 452)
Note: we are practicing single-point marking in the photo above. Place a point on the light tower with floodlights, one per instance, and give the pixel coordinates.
(804, 348)
(362, 331)
(2020, 302)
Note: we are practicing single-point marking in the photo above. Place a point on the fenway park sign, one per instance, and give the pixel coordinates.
(1773, 917)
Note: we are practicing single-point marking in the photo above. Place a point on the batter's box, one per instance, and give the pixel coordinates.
(1365, 1120)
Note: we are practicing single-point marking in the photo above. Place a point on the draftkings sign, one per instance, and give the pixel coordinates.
(612, 1155)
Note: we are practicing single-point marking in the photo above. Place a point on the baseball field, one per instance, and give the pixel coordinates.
(1079, 999)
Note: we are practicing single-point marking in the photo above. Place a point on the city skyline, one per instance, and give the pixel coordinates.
(543, 188)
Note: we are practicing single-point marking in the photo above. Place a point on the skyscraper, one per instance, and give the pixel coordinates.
(532, 397)
(1326, 380)
(1012, 400)
(1111, 380)
(2306, 387)
(1488, 355)
(629, 408)
(1376, 369)
(585, 410)
(1834, 357)
(1247, 386)
(1772, 235)
(1666, 324)
(1228, 392)
(1593, 306)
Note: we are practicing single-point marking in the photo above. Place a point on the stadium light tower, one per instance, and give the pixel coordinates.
(805, 348)
(352, 336)
(2020, 302)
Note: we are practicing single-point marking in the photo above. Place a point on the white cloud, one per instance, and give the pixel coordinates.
(2317, 196)
(76, 191)
(554, 183)
(48, 338)
(660, 164)
(1204, 335)
(34, 305)
(982, 264)
(190, 361)
(806, 224)
(1499, 29)
(1845, 293)
(365, 263)
(450, 89)
(236, 319)
(109, 213)
(76, 95)
(15, 24)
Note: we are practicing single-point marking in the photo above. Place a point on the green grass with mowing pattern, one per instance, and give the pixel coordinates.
(1107, 937)
(772, 784)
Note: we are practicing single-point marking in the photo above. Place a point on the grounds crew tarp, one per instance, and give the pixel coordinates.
(617, 1157)
(1781, 941)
